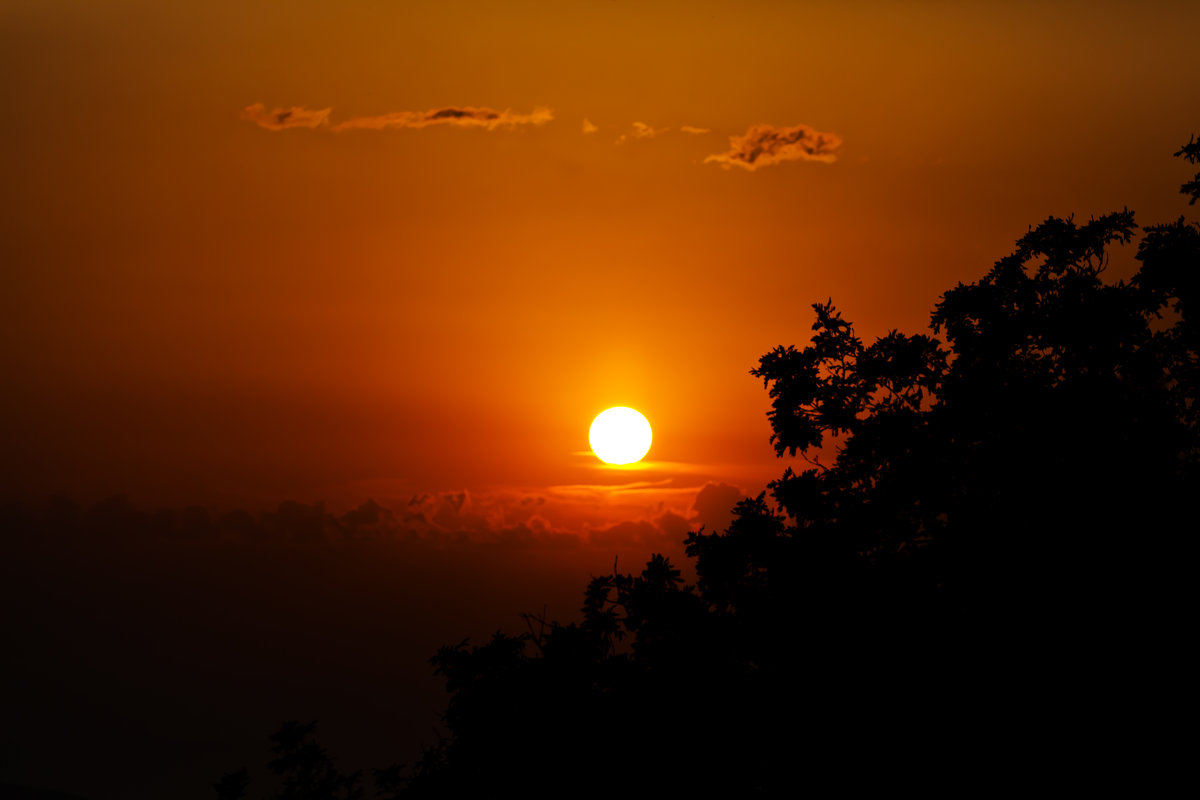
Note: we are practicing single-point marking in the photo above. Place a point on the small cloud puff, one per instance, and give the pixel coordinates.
(763, 145)
(281, 118)
(640, 131)
(643, 131)
(588, 127)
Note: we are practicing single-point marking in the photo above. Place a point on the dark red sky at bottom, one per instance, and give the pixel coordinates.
(147, 667)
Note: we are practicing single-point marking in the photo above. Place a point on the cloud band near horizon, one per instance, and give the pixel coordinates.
(764, 145)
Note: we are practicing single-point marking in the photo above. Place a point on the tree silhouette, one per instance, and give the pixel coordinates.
(1191, 151)
(232, 785)
(977, 540)
(971, 578)
(307, 770)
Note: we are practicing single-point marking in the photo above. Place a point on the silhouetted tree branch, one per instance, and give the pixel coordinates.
(981, 572)
(997, 498)
(1191, 152)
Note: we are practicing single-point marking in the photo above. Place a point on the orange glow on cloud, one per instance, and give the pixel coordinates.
(279, 119)
(465, 117)
(763, 145)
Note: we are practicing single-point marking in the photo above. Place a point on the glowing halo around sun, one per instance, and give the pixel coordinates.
(620, 435)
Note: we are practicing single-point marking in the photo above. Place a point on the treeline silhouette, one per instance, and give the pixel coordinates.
(974, 581)
(118, 517)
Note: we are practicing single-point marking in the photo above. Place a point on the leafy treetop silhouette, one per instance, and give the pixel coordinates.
(978, 536)
(1191, 152)
(978, 544)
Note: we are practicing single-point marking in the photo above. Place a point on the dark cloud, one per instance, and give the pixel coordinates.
(463, 113)
(642, 534)
(714, 504)
(633, 520)
(764, 145)
(673, 526)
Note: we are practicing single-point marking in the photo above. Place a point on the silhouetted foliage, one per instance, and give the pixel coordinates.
(390, 782)
(969, 576)
(233, 785)
(307, 770)
(975, 542)
(1191, 152)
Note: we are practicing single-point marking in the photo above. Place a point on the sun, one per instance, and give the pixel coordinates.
(620, 436)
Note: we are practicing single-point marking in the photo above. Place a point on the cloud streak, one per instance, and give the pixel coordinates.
(279, 119)
(764, 145)
(643, 131)
(283, 118)
(464, 117)
(640, 130)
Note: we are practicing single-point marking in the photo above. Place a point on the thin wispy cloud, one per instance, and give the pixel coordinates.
(640, 130)
(282, 118)
(692, 130)
(643, 131)
(279, 119)
(464, 117)
(764, 145)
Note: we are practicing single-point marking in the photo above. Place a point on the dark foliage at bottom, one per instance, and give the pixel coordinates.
(976, 582)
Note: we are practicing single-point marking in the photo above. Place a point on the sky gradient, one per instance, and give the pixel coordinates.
(470, 227)
(295, 256)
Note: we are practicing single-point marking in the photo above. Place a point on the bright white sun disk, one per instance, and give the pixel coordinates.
(620, 436)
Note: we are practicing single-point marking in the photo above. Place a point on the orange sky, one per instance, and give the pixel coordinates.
(204, 303)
